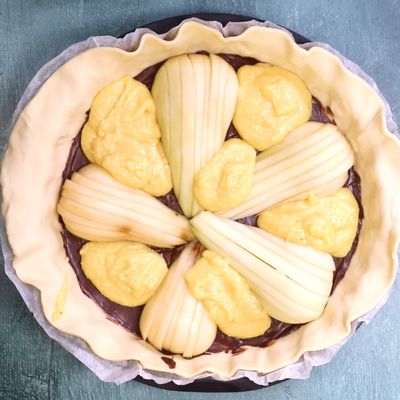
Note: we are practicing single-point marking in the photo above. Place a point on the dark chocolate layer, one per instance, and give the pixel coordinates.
(128, 317)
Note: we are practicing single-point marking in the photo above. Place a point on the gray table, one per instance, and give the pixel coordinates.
(32, 32)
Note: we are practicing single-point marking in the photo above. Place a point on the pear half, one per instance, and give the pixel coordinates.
(172, 319)
(314, 158)
(94, 206)
(292, 282)
(195, 97)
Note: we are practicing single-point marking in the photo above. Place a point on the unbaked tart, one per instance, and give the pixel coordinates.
(204, 203)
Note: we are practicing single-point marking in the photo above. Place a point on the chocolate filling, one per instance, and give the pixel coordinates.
(128, 317)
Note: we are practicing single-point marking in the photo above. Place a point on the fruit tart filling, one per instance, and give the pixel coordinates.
(210, 203)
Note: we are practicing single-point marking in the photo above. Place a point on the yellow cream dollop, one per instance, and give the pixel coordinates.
(127, 273)
(122, 136)
(227, 297)
(327, 224)
(272, 101)
(226, 179)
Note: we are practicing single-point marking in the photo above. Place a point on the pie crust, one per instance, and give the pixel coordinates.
(39, 146)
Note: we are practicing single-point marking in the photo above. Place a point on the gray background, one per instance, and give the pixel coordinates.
(32, 32)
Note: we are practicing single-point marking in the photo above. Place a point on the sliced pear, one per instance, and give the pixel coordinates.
(172, 319)
(195, 97)
(292, 282)
(94, 206)
(313, 158)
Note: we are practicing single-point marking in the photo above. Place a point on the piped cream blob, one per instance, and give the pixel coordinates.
(272, 101)
(125, 272)
(122, 136)
(227, 297)
(226, 179)
(327, 224)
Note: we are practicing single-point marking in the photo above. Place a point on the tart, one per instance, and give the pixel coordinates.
(311, 306)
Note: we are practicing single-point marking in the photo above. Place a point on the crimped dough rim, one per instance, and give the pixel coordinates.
(39, 147)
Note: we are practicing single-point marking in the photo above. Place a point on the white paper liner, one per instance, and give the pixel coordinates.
(120, 372)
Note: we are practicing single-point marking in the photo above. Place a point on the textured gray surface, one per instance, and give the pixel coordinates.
(33, 32)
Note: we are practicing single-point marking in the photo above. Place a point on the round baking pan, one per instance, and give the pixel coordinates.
(208, 384)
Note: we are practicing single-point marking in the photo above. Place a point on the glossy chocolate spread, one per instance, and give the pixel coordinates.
(128, 317)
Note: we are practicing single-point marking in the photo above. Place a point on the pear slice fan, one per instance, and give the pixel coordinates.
(314, 158)
(195, 96)
(291, 281)
(173, 320)
(94, 206)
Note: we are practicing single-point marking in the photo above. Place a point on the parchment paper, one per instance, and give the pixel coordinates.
(120, 372)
